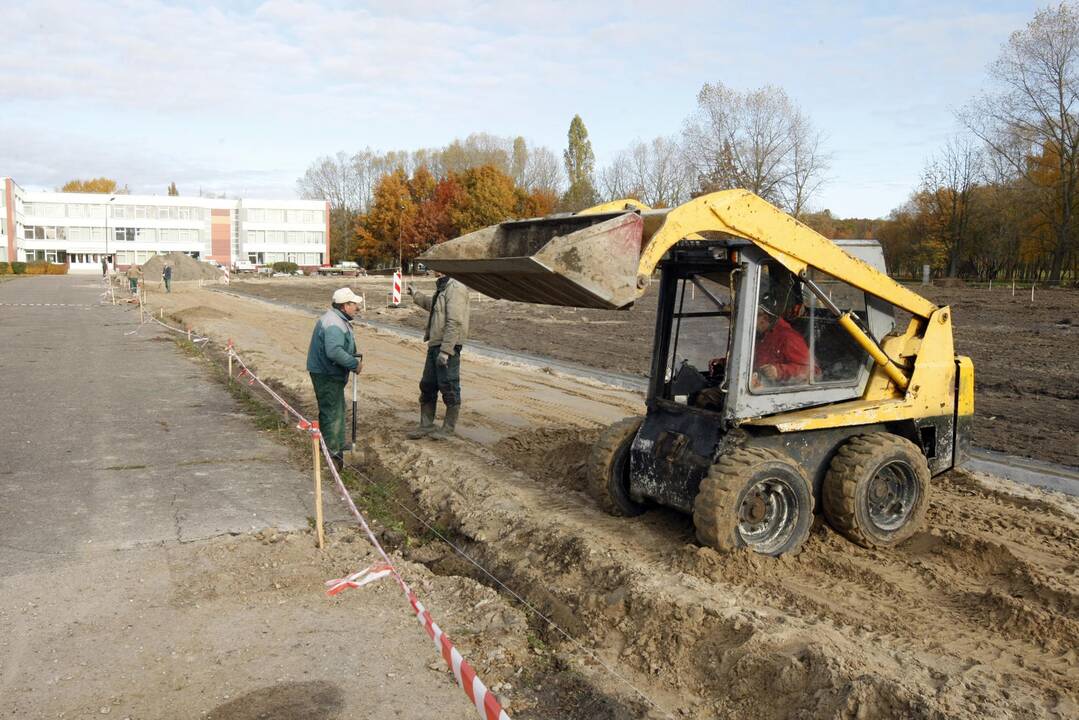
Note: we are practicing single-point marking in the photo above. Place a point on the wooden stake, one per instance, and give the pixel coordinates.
(1032, 293)
(1013, 287)
(230, 367)
(990, 283)
(317, 450)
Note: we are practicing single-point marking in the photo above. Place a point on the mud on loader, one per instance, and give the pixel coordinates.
(748, 442)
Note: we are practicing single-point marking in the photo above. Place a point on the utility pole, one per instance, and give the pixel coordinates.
(107, 206)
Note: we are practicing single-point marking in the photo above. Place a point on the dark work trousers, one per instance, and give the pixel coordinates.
(330, 394)
(437, 378)
(168, 284)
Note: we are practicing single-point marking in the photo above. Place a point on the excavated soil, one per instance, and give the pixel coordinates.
(1026, 369)
(975, 617)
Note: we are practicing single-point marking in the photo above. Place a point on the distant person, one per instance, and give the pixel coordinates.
(133, 274)
(330, 358)
(166, 275)
(447, 331)
(104, 266)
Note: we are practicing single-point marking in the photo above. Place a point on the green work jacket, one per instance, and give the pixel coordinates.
(333, 348)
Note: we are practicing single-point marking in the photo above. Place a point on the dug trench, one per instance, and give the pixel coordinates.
(977, 616)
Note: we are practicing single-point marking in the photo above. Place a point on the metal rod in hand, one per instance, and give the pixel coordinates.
(316, 450)
(355, 383)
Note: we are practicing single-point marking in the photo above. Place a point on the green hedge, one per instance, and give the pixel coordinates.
(4, 269)
(18, 268)
(285, 267)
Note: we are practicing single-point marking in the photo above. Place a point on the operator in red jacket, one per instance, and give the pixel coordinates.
(781, 356)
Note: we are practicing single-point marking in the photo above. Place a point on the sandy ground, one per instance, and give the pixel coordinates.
(236, 628)
(1026, 369)
(976, 617)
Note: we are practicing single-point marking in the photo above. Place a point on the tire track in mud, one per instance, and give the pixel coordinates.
(837, 631)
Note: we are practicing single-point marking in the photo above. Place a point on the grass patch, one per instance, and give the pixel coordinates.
(376, 499)
(127, 467)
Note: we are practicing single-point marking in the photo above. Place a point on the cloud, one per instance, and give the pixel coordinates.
(232, 94)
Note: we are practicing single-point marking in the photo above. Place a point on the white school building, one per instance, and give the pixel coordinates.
(82, 228)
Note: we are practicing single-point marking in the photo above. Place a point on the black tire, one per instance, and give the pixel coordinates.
(876, 492)
(754, 498)
(608, 468)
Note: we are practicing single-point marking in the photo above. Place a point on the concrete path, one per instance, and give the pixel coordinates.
(113, 440)
(116, 450)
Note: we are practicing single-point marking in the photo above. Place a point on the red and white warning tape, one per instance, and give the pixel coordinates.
(484, 700)
(359, 579)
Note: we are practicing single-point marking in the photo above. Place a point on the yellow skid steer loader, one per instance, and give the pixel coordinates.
(779, 382)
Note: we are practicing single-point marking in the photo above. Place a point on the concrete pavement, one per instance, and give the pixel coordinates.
(111, 440)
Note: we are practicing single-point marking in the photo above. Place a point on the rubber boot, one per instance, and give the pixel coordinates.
(427, 422)
(449, 423)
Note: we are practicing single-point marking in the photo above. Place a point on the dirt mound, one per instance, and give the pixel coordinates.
(556, 454)
(184, 267)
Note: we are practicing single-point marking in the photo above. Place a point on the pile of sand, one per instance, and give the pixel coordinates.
(184, 267)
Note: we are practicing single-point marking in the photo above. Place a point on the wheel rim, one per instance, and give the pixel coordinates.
(767, 515)
(891, 495)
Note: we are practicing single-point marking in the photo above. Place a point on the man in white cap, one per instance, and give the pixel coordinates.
(330, 358)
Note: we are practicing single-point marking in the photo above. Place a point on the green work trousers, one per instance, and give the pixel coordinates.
(330, 394)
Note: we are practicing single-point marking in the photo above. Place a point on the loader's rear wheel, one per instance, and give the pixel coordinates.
(755, 498)
(876, 491)
(608, 468)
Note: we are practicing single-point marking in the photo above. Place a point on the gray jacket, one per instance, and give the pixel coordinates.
(447, 325)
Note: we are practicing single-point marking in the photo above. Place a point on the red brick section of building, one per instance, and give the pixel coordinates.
(221, 236)
(9, 202)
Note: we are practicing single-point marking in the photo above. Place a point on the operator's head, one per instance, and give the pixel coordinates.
(766, 313)
(346, 301)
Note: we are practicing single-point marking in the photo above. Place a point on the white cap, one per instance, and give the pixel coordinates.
(345, 295)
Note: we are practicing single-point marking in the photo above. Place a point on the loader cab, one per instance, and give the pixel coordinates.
(738, 337)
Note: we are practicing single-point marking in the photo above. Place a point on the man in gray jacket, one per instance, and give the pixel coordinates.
(447, 331)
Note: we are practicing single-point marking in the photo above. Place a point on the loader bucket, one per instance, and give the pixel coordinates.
(587, 261)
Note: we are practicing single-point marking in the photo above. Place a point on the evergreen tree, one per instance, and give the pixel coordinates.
(580, 164)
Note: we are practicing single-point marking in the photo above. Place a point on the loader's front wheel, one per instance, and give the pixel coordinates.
(608, 468)
(876, 491)
(754, 498)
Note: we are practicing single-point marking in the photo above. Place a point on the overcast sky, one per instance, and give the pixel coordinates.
(241, 97)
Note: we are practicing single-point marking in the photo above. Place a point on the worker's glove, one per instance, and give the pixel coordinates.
(411, 289)
(443, 358)
(359, 363)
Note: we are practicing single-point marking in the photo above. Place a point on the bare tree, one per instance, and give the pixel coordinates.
(543, 171)
(808, 161)
(1030, 119)
(655, 173)
(333, 179)
(758, 140)
(948, 185)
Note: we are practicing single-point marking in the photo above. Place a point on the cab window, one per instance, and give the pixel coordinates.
(700, 337)
(798, 343)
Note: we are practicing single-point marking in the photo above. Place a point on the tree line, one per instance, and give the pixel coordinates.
(1001, 199)
(388, 207)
